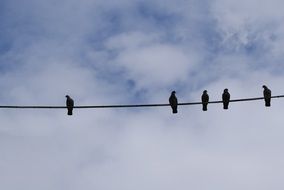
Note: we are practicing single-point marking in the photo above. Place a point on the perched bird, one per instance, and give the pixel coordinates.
(266, 95)
(173, 101)
(69, 105)
(226, 98)
(205, 100)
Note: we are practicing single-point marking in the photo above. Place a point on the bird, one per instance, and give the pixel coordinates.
(69, 105)
(266, 95)
(173, 102)
(205, 100)
(226, 98)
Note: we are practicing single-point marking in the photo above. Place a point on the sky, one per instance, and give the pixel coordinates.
(103, 52)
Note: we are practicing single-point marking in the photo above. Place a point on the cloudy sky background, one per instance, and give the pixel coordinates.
(132, 51)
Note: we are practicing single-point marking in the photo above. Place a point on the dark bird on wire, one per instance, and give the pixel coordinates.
(226, 98)
(69, 105)
(205, 100)
(266, 95)
(173, 101)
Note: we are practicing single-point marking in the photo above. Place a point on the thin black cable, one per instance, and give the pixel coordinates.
(131, 105)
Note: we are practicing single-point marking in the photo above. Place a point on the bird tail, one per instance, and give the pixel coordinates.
(70, 112)
(175, 110)
(267, 103)
(204, 108)
(226, 106)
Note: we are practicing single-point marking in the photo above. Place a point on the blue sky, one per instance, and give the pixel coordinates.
(132, 51)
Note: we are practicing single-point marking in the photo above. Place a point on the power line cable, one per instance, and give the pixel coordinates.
(130, 105)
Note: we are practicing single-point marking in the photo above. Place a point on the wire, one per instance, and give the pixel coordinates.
(131, 105)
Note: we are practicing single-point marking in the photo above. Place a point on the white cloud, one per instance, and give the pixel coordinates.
(158, 65)
(78, 48)
(243, 21)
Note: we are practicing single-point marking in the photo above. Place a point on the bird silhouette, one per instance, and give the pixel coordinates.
(266, 95)
(226, 98)
(173, 102)
(205, 100)
(69, 105)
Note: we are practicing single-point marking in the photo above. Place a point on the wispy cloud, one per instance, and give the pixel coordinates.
(116, 52)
